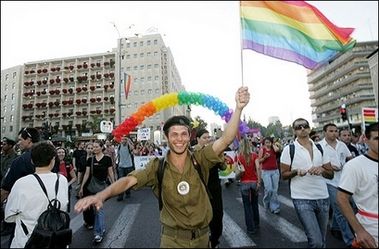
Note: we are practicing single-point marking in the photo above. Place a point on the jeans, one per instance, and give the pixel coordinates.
(271, 184)
(250, 204)
(339, 220)
(100, 222)
(121, 173)
(314, 216)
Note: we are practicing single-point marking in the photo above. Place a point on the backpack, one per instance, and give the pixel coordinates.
(292, 154)
(160, 173)
(53, 225)
(292, 151)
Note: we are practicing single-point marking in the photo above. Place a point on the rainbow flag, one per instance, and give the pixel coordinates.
(128, 82)
(293, 31)
(370, 115)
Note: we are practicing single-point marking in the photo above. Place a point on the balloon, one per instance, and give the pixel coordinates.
(173, 99)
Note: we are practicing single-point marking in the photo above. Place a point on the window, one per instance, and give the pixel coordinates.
(157, 90)
(156, 78)
(11, 118)
(149, 91)
(5, 109)
(141, 55)
(3, 129)
(155, 42)
(155, 53)
(148, 54)
(134, 55)
(128, 45)
(14, 75)
(142, 92)
(141, 43)
(128, 69)
(149, 78)
(13, 85)
(156, 65)
(6, 76)
(135, 68)
(142, 67)
(12, 108)
(134, 44)
(4, 119)
(149, 66)
(142, 79)
(5, 98)
(11, 128)
(135, 92)
(128, 56)
(6, 87)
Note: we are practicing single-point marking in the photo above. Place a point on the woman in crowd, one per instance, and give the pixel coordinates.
(249, 185)
(98, 166)
(270, 175)
(67, 169)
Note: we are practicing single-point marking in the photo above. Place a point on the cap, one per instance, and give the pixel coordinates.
(176, 120)
(9, 141)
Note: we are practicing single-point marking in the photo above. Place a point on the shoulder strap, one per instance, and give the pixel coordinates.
(198, 169)
(43, 186)
(319, 147)
(292, 153)
(160, 173)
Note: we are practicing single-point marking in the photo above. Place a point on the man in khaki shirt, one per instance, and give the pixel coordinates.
(186, 211)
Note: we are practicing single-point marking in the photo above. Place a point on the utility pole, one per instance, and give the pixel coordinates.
(120, 81)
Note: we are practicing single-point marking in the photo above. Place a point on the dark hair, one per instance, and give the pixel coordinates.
(9, 141)
(299, 119)
(269, 139)
(327, 125)
(29, 132)
(371, 128)
(201, 132)
(99, 142)
(42, 154)
(176, 120)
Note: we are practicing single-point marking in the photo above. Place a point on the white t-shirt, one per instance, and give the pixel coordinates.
(27, 201)
(310, 187)
(337, 158)
(360, 178)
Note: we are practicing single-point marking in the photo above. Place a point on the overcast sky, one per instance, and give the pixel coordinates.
(204, 38)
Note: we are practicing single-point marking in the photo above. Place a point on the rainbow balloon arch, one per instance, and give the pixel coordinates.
(173, 99)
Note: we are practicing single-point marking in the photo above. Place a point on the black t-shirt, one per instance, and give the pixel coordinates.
(80, 159)
(100, 168)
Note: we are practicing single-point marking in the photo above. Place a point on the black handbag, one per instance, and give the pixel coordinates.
(95, 185)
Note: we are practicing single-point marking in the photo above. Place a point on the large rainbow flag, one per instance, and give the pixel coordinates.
(292, 30)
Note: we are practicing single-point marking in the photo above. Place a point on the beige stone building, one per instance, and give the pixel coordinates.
(345, 80)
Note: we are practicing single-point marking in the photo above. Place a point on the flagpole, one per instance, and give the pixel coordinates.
(241, 42)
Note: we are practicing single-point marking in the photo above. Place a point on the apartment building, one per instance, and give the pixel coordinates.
(65, 95)
(151, 65)
(345, 80)
(10, 101)
(69, 96)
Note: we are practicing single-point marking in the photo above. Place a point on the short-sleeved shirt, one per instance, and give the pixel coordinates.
(309, 187)
(250, 174)
(360, 179)
(337, 158)
(27, 201)
(100, 168)
(80, 159)
(189, 211)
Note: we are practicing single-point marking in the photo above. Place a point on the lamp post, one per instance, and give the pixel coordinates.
(119, 73)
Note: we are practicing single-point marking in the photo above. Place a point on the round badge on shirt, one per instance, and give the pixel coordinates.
(183, 187)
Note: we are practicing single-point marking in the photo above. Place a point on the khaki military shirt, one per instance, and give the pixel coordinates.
(188, 211)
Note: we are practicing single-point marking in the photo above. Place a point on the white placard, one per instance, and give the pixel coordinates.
(143, 134)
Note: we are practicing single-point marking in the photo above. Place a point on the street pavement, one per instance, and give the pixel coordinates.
(134, 223)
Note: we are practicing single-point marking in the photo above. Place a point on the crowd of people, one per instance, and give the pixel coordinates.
(333, 171)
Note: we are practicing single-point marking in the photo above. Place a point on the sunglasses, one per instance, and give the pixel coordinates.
(301, 126)
(27, 133)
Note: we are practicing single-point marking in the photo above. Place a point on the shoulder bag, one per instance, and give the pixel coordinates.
(95, 185)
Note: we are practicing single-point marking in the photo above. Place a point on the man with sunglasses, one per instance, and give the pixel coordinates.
(359, 180)
(22, 165)
(307, 172)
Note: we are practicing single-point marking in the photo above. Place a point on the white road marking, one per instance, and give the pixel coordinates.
(234, 235)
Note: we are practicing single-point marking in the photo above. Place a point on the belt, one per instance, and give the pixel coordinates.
(185, 234)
